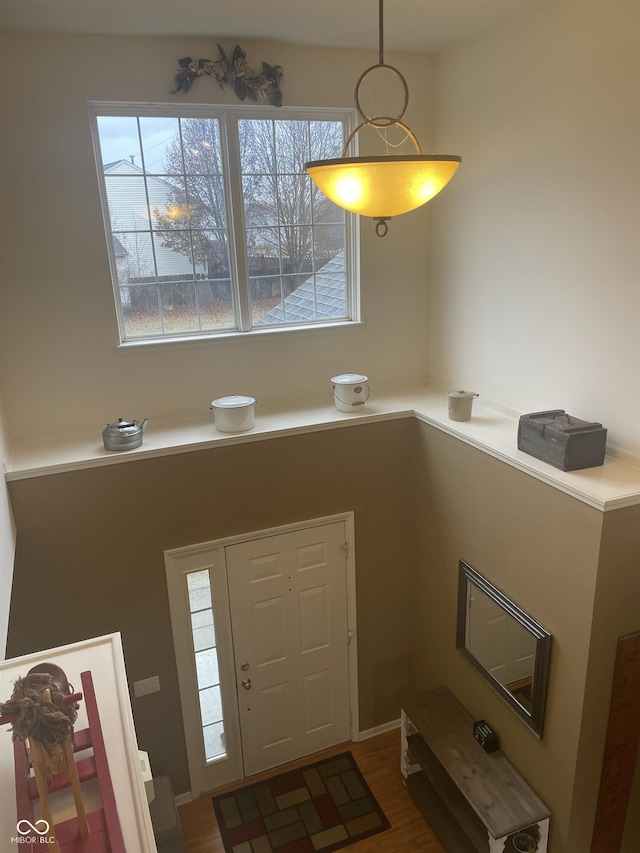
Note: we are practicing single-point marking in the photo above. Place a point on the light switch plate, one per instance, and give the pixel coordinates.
(146, 686)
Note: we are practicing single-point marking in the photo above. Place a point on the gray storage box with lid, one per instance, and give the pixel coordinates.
(561, 440)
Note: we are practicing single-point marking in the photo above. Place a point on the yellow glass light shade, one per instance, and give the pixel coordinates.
(382, 187)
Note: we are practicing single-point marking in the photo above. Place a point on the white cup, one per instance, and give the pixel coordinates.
(460, 403)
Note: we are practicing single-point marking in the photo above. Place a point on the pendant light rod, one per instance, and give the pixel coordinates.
(380, 33)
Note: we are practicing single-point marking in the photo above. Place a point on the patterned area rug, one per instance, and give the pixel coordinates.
(320, 807)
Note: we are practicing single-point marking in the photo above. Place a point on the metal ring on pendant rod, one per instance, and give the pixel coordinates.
(381, 121)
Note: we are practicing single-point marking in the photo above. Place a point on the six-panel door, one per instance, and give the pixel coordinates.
(288, 601)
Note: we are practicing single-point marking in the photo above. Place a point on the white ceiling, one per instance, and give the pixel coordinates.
(408, 24)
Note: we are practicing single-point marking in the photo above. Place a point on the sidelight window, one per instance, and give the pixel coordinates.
(206, 660)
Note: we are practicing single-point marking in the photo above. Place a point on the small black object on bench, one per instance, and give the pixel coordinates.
(485, 736)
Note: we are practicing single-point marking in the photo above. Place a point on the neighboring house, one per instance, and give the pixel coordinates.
(138, 244)
(121, 256)
(321, 297)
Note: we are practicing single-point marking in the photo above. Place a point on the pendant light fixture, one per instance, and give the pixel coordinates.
(388, 185)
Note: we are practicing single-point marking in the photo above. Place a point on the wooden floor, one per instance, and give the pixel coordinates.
(379, 761)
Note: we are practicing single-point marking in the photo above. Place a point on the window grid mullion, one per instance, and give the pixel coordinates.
(151, 240)
(312, 226)
(238, 256)
(276, 183)
(191, 244)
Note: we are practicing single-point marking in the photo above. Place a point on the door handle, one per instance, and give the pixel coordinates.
(246, 683)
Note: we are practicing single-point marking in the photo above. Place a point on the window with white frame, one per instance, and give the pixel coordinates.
(213, 226)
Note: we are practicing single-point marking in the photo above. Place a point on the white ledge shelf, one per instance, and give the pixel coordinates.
(610, 486)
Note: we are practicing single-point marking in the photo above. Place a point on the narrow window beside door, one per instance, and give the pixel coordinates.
(207, 668)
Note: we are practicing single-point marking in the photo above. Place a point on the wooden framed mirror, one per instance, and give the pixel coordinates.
(509, 649)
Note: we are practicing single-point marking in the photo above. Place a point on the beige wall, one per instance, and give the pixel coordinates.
(534, 290)
(540, 547)
(616, 615)
(90, 555)
(90, 561)
(66, 374)
(7, 544)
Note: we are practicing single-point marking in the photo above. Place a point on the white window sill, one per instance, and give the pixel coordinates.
(132, 344)
(610, 486)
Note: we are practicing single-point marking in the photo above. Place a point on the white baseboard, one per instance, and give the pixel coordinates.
(181, 799)
(378, 730)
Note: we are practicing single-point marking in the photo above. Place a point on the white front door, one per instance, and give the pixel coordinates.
(288, 601)
(292, 592)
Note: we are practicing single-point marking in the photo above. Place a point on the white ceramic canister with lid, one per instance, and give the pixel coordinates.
(350, 391)
(234, 413)
(460, 403)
